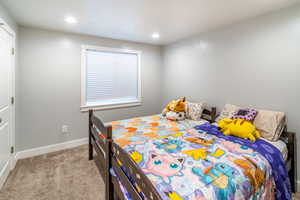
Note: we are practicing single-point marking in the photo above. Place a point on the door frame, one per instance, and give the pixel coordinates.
(12, 92)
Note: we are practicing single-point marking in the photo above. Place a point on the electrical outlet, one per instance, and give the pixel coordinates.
(65, 129)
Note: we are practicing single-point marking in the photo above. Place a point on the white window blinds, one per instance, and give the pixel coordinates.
(112, 77)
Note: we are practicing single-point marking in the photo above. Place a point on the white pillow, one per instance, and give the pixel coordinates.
(227, 112)
(270, 124)
(194, 110)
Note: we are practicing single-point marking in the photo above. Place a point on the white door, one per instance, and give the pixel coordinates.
(6, 88)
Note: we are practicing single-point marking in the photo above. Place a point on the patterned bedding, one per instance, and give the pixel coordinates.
(136, 130)
(190, 164)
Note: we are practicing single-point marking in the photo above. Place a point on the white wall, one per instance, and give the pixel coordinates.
(50, 86)
(254, 63)
(7, 17)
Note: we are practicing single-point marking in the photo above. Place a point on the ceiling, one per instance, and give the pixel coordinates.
(136, 20)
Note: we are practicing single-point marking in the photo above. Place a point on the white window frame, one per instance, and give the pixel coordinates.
(84, 107)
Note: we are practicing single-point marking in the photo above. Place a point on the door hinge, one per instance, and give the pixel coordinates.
(12, 100)
(12, 150)
(13, 51)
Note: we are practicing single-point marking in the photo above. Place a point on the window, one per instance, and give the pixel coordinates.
(110, 78)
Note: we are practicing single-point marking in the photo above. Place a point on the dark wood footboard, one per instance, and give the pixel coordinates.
(124, 166)
(100, 140)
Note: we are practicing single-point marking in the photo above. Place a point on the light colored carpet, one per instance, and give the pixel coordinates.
(63, 175)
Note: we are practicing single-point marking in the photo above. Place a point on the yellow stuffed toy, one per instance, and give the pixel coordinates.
(239, 128)
(175, 106)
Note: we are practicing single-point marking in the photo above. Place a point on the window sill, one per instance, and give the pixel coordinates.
(86, 108)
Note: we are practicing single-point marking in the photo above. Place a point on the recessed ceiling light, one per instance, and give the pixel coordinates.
(155, 35)
(71, 20)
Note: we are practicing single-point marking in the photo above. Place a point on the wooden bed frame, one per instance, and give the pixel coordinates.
(108, 155)
(290, 139)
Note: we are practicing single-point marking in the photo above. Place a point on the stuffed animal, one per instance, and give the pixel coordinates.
(175, 106)
(175, 116)
(239, 128)
(175, 110)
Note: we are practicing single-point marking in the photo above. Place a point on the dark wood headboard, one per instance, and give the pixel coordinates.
(209, 114)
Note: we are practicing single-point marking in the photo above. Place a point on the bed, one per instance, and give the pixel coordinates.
(139, 182)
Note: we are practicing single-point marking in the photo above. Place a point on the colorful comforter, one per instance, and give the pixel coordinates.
(185, 163)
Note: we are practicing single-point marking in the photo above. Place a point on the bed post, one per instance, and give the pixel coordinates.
(213, 114)
(109, 194)
(292, 149)
(90, 135)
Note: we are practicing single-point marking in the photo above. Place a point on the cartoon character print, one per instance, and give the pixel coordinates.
(169, 171)
(252, 171)
(136, 156)
(218, 153)
(196, 154)
(236, 148)
(169, 145)
(173, 195)
(221, 176)
(178, 134)
(164, 165)
(199, 140)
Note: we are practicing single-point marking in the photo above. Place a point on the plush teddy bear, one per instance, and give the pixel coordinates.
(175, 110)
(239, 128)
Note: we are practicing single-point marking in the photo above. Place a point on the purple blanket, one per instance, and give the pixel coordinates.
(271, 153)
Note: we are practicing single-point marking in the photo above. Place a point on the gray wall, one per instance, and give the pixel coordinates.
(50, 86)
(253, 63)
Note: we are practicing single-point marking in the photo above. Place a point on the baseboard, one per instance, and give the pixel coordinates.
(50, 148)
(4, 174)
